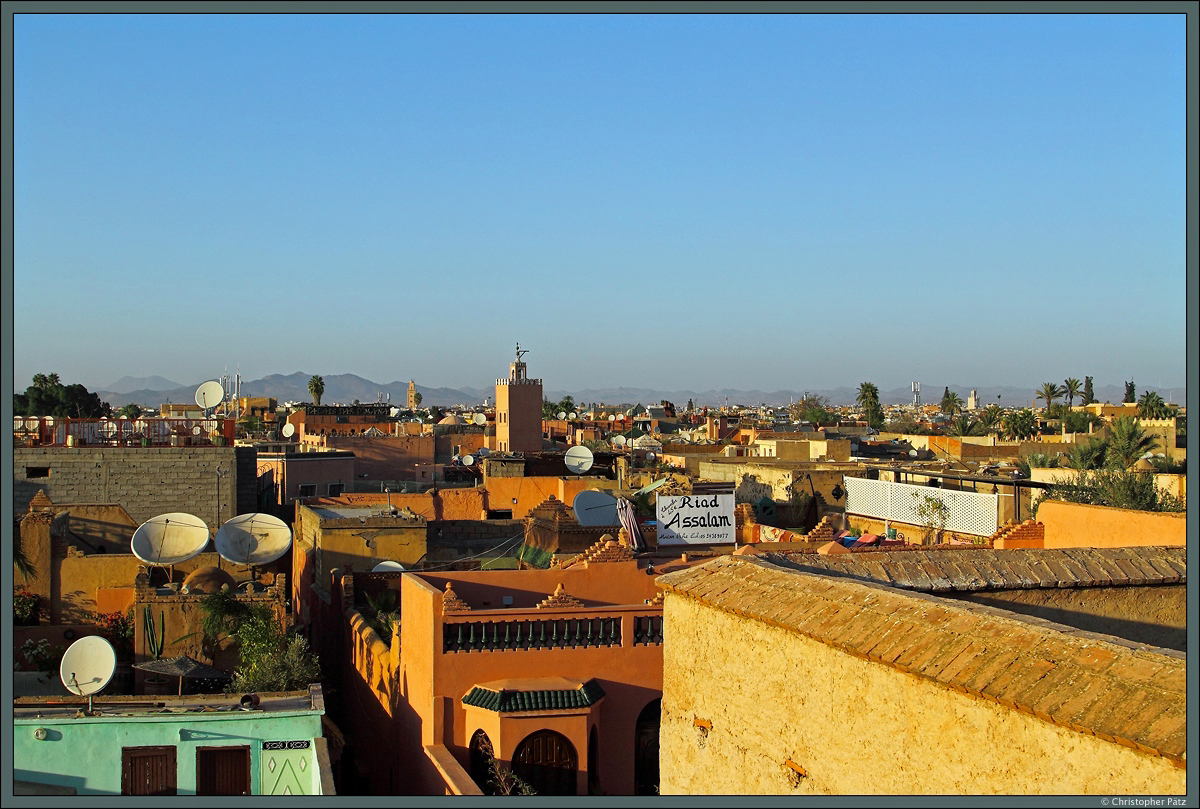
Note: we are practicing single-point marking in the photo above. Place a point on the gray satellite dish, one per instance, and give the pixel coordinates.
(649, 456)
(288, 430)
(169, 538)
(578, 460)
(253, 539)
(482, 452)
(480, 419)
(88, 666)
(618, 441)
(562, 414)
(387, 567)
(594, 507)
(468, 460)
(210, 394)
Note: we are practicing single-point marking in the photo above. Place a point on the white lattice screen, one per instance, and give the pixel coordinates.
(969, 512)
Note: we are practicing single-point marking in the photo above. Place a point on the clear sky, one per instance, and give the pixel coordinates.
(764, 201)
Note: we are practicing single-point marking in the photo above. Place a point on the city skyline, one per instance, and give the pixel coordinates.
(756, 202)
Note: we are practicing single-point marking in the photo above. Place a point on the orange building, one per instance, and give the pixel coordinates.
(559, 672)
(518, 410)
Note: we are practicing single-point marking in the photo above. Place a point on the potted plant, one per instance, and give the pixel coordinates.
(26, 606)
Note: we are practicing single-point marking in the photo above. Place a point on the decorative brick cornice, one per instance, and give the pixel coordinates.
(452, 603)
(560, 601)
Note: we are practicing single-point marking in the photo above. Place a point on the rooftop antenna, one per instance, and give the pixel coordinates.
(88, 666)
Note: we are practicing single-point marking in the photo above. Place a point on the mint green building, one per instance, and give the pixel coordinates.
(207, 744)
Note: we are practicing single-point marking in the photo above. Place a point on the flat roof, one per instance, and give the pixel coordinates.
(213, 705)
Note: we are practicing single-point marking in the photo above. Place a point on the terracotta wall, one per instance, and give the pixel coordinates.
(1072, 525)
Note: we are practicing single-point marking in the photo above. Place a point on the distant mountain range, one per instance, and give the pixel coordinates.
(346, 388)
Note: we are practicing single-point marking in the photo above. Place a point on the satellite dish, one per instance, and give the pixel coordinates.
(387, 567)
(169, 538)
(572, 415)
(578, 460)
(612, 418)
(253, 539)
(594, 507)
(619, 441)
(468, 460)
(107, 428)
(210, 394)
(395, 411)
(289, 430)
(562, 414)
(196, 430)
(912, 452)
(88, 665)
(650, 487)
(482, 452)
(649, 456)
(31, 423)
(480, 419)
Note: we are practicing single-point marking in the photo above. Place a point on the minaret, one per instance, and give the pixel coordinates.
(518, 409)
(412, 395)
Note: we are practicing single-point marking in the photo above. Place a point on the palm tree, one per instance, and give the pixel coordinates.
(951, 403)
(1087, 455)
(991, 418)
(963, 424)
(1127, 442)
(1071, 388)
(1019, 424)
(316, 387)
(868, 400)
(1049, 391)
(1152, 406)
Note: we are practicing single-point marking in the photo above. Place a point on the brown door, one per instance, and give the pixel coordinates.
(223, 771)
(147, 770)
(546, 761)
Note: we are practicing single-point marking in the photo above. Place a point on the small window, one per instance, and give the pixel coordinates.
(336, 489)
(308, 490)
(37, 472)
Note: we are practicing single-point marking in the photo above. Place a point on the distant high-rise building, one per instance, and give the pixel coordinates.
(518, 410)
(412, 395)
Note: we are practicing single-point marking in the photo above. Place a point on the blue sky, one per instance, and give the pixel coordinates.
(764, 201)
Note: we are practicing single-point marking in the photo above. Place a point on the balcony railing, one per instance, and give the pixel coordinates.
(53, 431)
(467, 633)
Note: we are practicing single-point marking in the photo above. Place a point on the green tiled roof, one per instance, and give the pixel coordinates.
(506, 701)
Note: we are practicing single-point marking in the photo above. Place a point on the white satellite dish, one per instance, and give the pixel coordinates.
(196, 430)
(31, 423)
(612, 418)
(253, 539)
(650, 487)
(578, 460)
(594, 507)
(468, 460)
(107, 428)
(618, 441)
(480, 419)
(395, 411)
(88, 665)
(289, 430)
(562, 414)
(572, 415)
(169, 538)
(387, 567)
(210, 394)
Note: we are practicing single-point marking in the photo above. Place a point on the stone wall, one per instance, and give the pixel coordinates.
(144, 481)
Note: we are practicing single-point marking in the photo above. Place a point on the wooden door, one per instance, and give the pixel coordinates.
(223, 771)
(547, 762)
(147, 770)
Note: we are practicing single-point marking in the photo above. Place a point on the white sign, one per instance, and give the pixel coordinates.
(696, 519)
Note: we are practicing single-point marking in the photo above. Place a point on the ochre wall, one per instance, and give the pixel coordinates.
(1073, 525)
(857, 727)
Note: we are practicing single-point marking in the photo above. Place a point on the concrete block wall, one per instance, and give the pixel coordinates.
(144, 481)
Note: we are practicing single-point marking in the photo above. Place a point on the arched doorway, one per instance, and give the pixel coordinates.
(481, 754)
(645, 750)
(547, 762)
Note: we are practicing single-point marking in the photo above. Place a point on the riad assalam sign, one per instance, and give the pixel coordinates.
(695, 519)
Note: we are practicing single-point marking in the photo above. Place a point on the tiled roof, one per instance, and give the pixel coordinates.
(1010, 569)
(507, 700)
(1114, 689)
